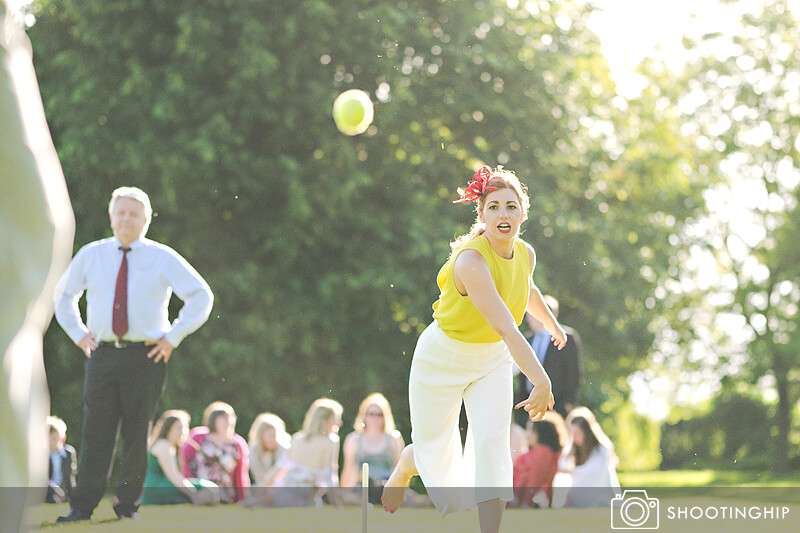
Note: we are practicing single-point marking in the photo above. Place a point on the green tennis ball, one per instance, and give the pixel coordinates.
(352, 112)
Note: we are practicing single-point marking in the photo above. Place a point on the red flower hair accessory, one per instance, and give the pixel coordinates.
(477, 186)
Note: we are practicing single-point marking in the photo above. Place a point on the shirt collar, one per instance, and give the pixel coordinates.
(133, 246)
(61, 452)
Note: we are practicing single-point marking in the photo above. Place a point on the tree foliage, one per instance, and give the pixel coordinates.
(322, 250)
(738, 99)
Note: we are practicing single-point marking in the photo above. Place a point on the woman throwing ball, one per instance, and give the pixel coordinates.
(465, 354)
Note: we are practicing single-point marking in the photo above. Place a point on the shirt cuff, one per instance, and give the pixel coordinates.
(174, 338)
(77, 333)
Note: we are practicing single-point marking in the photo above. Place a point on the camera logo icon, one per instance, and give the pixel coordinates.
(633, 509)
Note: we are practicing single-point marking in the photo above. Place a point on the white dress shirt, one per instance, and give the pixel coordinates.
(155, 271)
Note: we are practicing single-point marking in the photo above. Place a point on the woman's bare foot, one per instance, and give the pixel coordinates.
(395, 489)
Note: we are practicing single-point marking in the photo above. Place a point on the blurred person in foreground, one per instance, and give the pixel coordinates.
(127, 341)
(36, 232)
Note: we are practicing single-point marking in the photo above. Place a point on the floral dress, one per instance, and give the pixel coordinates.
(217, 462)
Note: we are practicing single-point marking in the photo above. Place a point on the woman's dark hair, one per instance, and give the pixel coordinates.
(212, 419)
(166, 421)
(166, 426)
(590, 441)
(547, 434)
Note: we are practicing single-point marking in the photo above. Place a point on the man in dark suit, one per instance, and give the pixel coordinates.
(61, 474)
(562, 366)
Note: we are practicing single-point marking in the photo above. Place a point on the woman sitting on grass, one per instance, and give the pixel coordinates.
(376, 442)
(312, 465)
(218, 453)
(590, 456)
(164, 483)
(535, 470)
(269, 444)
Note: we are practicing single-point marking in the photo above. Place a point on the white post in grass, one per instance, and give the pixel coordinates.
(364, 496)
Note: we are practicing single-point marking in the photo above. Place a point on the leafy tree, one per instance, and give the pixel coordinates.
(739, 100)
(322, 250)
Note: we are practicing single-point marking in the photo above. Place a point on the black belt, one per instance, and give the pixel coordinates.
(121, 344)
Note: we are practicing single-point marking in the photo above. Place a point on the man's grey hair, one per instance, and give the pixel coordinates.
(137, 194)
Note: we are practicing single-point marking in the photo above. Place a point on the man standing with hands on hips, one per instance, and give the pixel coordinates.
(127, 340)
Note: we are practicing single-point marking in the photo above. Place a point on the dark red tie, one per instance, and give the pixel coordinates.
(119, 321)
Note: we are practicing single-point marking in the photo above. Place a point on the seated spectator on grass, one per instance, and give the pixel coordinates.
(62, 462)
(217, 453)
(590, 457)
(164, 483)
(534, 471)
(311, 466)
(269, 443)
(376, 442)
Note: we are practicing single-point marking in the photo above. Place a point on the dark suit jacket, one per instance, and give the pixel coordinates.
(564, 367)
(68, 471)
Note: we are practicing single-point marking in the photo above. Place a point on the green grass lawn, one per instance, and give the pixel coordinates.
(708, 478)
(232, 519)
(778, 492)
(175, 519)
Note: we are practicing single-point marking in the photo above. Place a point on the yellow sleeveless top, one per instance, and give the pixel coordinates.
(457, 316)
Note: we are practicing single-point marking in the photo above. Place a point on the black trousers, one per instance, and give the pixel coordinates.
(121, 390)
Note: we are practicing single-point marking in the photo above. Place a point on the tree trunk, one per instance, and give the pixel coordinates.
(783, 417)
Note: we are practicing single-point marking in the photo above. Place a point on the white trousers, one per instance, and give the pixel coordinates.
(445, 372)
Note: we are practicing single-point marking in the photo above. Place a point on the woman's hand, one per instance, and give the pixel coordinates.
(558, 335)
(540, 400)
